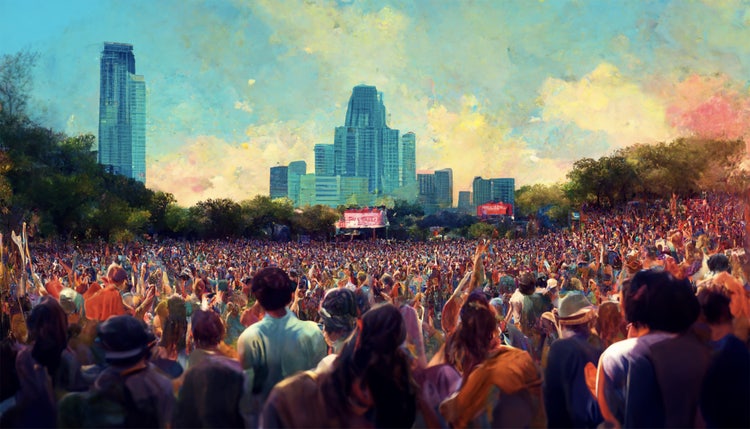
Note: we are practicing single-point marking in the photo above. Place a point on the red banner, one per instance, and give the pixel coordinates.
(362, 218)
(495, 209)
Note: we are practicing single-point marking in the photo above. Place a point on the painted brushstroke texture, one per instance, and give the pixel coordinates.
(494, 88)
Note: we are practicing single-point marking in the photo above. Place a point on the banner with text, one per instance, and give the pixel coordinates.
(362, 218)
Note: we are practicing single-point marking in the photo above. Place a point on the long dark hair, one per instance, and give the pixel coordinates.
(471, 341)
(48, 332)
(374, 355)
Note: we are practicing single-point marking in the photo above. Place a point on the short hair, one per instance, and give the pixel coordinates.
(527, 283)
(208, 329)
(658, 300)
(718, 263)
(272, 288)
(715, 306)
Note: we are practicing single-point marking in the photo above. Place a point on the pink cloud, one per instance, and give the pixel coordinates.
(710, 107)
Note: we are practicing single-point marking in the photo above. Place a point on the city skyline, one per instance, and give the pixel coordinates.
(492, 89)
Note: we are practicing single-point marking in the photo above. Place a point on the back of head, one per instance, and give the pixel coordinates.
(116, 274)
(474, 335)
(374, 355)
(658, 300)
(125, 340)
(48, 330)
(207, 327)
(715, 306)
(272, 288)
(718, 263)
(338, 311)
(527, 283)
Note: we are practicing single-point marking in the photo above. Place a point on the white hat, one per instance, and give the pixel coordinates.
(551, 284)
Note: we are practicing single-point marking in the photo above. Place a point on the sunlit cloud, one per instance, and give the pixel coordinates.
(606, 101)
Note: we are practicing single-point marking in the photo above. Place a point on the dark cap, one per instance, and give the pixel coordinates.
(124, 337)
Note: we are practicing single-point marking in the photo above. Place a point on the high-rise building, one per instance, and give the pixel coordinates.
(408, 159)
(279, 181)
(325, 162)
(504, 190)
(294, 171)
(464, 201)
(122, 113)
(427, 195)
(444, 188)
(366, 147)
(495, 190)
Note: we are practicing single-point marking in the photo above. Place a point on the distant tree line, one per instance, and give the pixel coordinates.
(54, 183)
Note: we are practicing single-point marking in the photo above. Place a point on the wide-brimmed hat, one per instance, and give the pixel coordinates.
(575, 309)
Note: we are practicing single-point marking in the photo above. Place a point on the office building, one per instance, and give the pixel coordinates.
(122, 113)
(279, 181)
(408, 159)
(324, 160)
(444, 188)
(366, 147)
(295, 170)
(464, 201)
(493, 190)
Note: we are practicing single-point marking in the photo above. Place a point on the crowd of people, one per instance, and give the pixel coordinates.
(581, 327)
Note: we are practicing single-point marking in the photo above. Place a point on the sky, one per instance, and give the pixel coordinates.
(491, 88)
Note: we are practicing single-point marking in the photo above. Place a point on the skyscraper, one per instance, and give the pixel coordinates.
(408, 159)
(444, 188)
(366, 147)
(279, 181)
(122, 113)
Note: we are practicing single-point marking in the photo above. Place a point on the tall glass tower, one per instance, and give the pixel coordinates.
(122, 113)
(366, 147)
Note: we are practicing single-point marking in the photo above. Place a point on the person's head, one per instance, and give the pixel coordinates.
(373, 371)
(272, 288)
(387, 282)
(658, 300)
(48, 332)
(338, 312)
(117, 276)
(609, 322)
(527, 283)
(576, 312)
(719, 263)
(175, 326)
(208, 329)
(474, 335)
(125, 340)
(361, 278)
(715, 306)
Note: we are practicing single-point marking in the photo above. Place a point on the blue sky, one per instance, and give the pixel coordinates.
(493, 88)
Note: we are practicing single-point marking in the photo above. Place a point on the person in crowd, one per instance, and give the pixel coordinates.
(370, 384)
(46, 368)
(567, 399)
(129, 392)
(645, 380)
(338, 314)
(501, 385)
(725, 393)
(213, 384)
(108, 301)
(280, 344)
